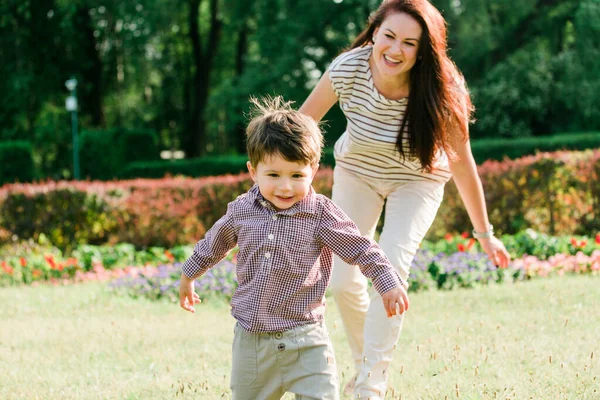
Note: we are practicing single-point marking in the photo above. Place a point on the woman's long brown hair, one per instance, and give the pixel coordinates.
(439, 107)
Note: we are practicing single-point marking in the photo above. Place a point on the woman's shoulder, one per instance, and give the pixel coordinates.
(352, 60)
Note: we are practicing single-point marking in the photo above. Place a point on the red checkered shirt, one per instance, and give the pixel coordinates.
(285, 258)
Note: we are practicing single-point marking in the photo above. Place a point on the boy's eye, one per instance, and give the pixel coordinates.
(273, 175)
(389, 36)
(298, 176)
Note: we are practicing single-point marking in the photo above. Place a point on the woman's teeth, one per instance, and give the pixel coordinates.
(391, 60)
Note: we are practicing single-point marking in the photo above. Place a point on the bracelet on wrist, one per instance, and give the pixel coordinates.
(484, 235)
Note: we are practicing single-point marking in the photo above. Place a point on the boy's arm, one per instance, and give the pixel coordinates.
(338, 232)
(221, 238)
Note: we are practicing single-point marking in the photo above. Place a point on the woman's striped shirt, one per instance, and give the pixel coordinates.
(368, 146)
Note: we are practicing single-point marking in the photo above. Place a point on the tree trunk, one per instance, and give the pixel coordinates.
(89, 64)
(195, 144)
(240, 56)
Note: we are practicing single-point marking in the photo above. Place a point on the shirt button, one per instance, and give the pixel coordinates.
(271, 236)
(278, 335)
(267, 255)
(274, 217)
(281, 347)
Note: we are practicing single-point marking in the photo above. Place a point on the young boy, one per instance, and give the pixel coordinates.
(286, 234)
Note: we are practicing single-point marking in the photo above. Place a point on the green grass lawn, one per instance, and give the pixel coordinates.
(538, 340)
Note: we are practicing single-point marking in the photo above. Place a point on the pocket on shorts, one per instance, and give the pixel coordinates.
(244, 370)
(316, 351)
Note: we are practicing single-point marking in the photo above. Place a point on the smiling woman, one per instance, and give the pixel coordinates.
(408, 112)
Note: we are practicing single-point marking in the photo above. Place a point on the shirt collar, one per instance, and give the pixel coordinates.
(306, 205)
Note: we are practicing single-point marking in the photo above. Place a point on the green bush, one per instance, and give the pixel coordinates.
(101, 154)
(16, 162)
(104, 153)
(498, 149)
(139, 145)
(195, 167)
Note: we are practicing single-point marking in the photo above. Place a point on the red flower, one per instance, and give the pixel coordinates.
(583, 243)
(36, 273)
(464, 235)
(574, 242)
(448, 237)
(170, 256)
(597, 238)
(23, 262)
(460, 247)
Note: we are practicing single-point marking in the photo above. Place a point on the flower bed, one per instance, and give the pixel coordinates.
(455, 261)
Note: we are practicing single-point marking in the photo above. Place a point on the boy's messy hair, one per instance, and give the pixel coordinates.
(277, 129)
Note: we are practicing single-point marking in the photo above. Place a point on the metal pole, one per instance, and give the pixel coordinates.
(75, 145)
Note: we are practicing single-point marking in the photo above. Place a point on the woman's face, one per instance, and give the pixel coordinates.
(396, 45)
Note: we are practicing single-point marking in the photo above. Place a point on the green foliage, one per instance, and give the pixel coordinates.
(498, 149)
(104, 153)
(195, 167)
(199, 167)
(514, 98)
(531, 65)
(139, 145)
(101, 154)
(16, 162)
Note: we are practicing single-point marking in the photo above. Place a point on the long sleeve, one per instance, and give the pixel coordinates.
(221, 238)
(338, 232)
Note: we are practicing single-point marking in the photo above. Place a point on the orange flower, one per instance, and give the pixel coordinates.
(170, 256)
(574, 241)
(50, 261)
(72, 262)
(7, 268)
(597, 238)
(23, 262)
(36, 273)
(464, 235)
(460, 247)
(583, 243)
(448, 237)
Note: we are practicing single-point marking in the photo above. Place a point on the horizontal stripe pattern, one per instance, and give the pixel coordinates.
(368, 146)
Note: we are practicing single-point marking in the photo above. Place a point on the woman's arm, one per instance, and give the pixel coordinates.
(321, 99)
(464, 171)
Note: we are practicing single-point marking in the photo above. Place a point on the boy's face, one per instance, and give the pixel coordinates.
(283, 183)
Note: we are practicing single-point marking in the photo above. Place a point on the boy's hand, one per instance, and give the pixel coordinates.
(187, 296)
(395, 301)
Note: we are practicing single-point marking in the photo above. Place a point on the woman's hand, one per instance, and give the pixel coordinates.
(496, 251)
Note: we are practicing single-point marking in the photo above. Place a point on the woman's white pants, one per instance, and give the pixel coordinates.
(409, 212)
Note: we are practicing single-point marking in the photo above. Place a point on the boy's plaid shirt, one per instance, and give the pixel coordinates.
(285, 258)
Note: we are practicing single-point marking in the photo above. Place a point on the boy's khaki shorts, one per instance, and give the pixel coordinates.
(300, 361)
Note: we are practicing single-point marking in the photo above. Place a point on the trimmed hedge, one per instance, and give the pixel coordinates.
(483, 150)
(101, 153)
(498, 149)
(194, 167)
(139, 145)
(66, 216)
(105, 153)
(16, 162)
